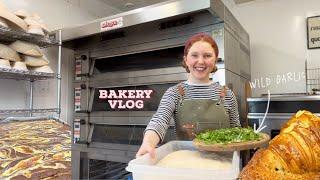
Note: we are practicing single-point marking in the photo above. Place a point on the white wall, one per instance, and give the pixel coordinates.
(13, 94)
(277, 30)
(56, 14)
(45, 92)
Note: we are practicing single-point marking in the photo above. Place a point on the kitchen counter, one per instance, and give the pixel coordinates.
(284, 104)
(286, 98)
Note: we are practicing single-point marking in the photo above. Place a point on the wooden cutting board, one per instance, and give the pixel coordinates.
(232, 146)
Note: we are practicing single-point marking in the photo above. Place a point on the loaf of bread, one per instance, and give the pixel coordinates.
(293, 154)
(7, 53)
(35, 61)
(26, 48)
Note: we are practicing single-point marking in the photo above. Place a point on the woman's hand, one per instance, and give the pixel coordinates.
(146, 147)
(150, 141)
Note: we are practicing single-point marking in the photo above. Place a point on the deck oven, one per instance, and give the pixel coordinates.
(123, 66)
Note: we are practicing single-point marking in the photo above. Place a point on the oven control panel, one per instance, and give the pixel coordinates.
(76, 130)
(77, 99)
(82, 66)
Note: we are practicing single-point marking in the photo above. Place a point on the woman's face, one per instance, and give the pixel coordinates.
(200, 60)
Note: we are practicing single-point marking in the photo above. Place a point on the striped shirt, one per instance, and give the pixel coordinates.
(169, 103)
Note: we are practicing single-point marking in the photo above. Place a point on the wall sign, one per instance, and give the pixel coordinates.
(313, 32)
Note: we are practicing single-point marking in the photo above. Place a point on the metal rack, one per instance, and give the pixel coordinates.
(8, 35)
(312, 80)
(24, 75)
(21, 111)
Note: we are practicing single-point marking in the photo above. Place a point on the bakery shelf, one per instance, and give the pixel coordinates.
(9, 35)
(24, 75)
(20, 111)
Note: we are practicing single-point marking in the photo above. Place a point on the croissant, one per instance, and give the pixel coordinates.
(293, 154)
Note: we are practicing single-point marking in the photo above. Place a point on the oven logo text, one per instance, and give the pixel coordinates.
(111, 24)
(117, 98)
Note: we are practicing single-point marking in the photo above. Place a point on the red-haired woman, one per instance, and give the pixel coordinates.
(196, 104)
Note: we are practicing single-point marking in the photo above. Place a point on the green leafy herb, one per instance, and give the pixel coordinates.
(228, 135)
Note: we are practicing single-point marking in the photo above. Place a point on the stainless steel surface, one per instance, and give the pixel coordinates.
(287, 98)
(116, 153)
(142, 15)
(122, 118)
(17, 111)
(31, 97)
(24, 75)
(285, 116)
(89, 138)
(113, 76)
(9, 119)
(148, 37)
(107, 170)
(147, 79)
(59, 75)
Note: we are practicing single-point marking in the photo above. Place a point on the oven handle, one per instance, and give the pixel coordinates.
(83, 75)
(89, 135)
(91, 68)
(113, 124)
(83, 142)
(91, 97)
(91, 128)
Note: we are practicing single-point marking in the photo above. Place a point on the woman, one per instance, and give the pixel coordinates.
(196, 104)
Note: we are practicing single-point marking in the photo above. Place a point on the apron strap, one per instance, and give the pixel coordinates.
(180, 89)
(222, 94)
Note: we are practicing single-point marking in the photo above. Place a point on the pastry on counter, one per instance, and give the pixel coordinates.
(35, 150)
(293, 154)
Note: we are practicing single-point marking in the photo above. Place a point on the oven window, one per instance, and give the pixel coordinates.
(124, 134)
(141, 61)
(146, 98)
